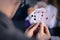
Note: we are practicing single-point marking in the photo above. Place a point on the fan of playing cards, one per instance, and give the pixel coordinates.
(40, 15)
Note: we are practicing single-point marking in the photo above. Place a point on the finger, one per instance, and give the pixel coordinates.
(41, 28)
(34, 27)
(30, 27)
(47, 31)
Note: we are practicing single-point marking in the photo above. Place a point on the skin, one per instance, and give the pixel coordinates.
(43, 33)
(9, 8)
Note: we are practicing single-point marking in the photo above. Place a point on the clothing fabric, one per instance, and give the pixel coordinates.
(8, 30)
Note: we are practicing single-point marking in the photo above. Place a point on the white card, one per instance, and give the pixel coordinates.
(40, 15)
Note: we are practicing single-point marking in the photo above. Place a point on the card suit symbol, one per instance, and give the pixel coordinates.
(31, 15)
(42, 15)
(46, 18)
(34, 18)
(42, 12)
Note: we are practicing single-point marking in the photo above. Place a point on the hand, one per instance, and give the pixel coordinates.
(43, 33)
(29, 32)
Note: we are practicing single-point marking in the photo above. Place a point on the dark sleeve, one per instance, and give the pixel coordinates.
(55, 38)
(8, 30)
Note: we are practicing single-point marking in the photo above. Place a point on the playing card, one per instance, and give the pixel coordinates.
(47, 16)
(33, 17)
(40, 15)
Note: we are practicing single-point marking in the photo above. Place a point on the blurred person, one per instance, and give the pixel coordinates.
(9, 32)
(7, 29)
(19, 13)
(9, 6)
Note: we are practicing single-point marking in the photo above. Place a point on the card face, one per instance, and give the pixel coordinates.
(40, 15)
(48, 16)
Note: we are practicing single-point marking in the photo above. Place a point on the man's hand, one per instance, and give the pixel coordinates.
(43, 33)
(29, 32)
